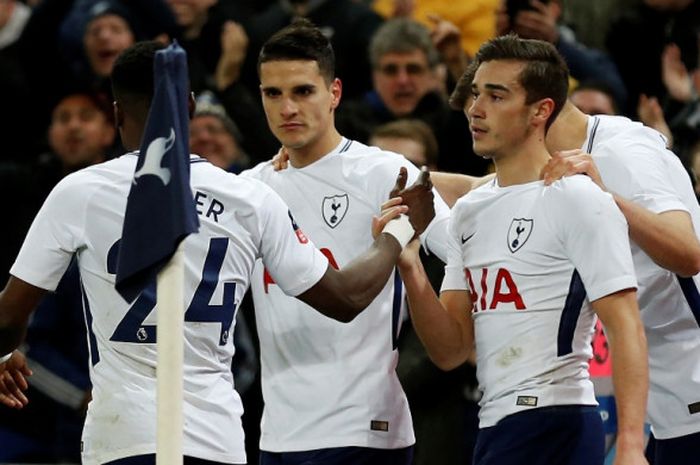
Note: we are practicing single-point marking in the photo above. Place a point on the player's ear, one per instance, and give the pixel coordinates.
(542, 110)
(118, 114)
(191, 105)
(336, 92)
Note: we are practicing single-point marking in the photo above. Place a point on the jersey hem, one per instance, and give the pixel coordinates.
(97, 459)
(301, 446)
(675, 432)
(612, 286)
(37, 279)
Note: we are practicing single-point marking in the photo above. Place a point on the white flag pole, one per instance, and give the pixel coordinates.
(170, 337)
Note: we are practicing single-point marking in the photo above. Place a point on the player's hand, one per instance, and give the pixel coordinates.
(13, 381)
(281, 159)
(391, 209)
(419, 198)
(630, 457)
(568, 163)
(400, 184)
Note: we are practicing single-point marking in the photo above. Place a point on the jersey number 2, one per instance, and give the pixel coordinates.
(132, 329)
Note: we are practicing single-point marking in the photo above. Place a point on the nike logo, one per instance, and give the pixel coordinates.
(465, 239)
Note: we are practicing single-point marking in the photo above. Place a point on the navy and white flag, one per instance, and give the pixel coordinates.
(160, 210)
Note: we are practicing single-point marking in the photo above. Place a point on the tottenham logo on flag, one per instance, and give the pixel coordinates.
(518, 233)
(160, 210)
(334, 209)
(154, 157)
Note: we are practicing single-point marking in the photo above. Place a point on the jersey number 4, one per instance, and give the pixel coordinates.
(132, 329)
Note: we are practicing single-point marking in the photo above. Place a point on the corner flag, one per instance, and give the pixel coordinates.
(160, 210)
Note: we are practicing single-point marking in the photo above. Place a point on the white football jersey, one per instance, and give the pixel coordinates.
(532, 258)
(242, 221)
(634, 163)
(326, 383)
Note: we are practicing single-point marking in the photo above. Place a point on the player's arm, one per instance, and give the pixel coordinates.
(452, 186)
(443, 325)
(668, 237)
(625, 334)
(343, 294)
(17, 301)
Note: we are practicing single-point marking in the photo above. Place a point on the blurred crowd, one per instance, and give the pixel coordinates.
(398, 60)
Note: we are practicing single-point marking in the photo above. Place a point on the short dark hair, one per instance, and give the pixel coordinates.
(411, 129)
(132, 75)
(301, 40)
(545, 74)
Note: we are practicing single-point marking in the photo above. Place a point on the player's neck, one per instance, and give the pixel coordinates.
(524, 165)
(300, 157)
(569, 130)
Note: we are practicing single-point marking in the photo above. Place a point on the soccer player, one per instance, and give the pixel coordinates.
(331, 392)
(241, 220)
(529, 267)
(654, 192)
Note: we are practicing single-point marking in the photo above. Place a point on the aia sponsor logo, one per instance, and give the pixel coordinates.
(494, 292)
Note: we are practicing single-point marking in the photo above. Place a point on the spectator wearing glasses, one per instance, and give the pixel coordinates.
(406, 85)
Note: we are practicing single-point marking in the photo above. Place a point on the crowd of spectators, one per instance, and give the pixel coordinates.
(398, 60)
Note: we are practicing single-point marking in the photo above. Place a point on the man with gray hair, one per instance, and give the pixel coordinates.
(407, 84)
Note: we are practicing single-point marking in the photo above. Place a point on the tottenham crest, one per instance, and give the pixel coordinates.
(518, 233)
(334, 209)
(154, 157)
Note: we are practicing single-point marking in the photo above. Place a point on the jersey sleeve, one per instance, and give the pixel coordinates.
(291, 258)
(640, 167)
(55, 235)
(255, 172)
(454, 279)
(595, 237)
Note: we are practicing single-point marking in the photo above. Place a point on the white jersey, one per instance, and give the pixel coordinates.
(242, 220)
(633, 162)
(532, 258)
(326, 383)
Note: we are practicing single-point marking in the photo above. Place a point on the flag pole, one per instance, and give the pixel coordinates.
(170, 336)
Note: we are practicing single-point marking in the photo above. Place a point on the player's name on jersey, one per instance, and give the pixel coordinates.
(208, 206)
